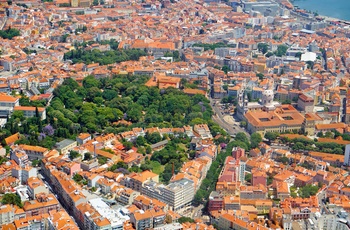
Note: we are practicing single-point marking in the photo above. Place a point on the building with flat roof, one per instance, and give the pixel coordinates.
(178, 194)
(116, 217)
(66, 145)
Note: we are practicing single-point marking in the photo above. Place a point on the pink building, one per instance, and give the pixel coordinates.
(258, 177)
(230, 172)
(71, 168)
(237, 153)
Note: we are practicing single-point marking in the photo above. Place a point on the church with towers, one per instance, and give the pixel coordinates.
(266, 103)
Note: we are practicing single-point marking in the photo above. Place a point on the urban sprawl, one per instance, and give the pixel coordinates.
(170, 115)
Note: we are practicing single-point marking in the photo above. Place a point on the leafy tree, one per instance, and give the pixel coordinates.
(329, 134)
(298, 55)
(73, 154)
(255, 139)
(298, 146)
(281, 50)
(146, 166)
(12, 198)
(284, 160)
(338, 151)
(243, 124)
(9, 33)
(271, 136)
(184, 219)
(308, 190)
(103, 57)
(153, 137)
(119, 165)
(286, 102)
(87, 156)
(241, 137)
(77, 178)
(248, 177)
(102, 160)
(140, 141)
(148, 150)
(36, 163)
(128, 145)
(269, 54)
(64, 5)
(263, 47)
(260, 76)
(225, 68)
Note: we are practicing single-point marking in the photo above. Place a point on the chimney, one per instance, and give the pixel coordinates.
(95, 143)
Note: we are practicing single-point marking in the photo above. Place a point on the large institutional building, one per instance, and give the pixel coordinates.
(268, 115)
(285, 118)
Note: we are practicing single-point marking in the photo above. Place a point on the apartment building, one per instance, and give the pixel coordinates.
(7, 214)
(7, 104)
(20, 157)
(126, 196)
(83, 138)
(142, 220)
(135, 181)
(233, 170)
(30, 111)
(35, 187)
(147, 219)
(33, 152)
(6, 169)
(253, 192)
(178, 194)
(61, 220)
(24, 173)
(203, 131)
(44, 203)
(306, 103)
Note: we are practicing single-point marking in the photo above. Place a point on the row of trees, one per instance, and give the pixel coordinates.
(208, 46)
(314, 145)
(209, 183)
(103, 57)
(311, 145)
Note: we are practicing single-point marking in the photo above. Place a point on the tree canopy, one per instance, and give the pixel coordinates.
(85, 54)
(12, 198)
(9, 33)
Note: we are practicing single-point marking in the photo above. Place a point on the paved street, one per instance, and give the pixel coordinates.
(323, 208)
(219, 118)
(197, 212)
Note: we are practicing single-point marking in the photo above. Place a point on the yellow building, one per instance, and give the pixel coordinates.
(74, 3)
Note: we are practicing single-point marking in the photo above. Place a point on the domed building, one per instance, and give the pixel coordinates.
(266, 103)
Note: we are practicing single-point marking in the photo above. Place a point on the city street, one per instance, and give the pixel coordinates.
(219, 118)
(197, 212)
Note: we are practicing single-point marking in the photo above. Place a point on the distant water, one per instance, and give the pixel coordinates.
(331, 8)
